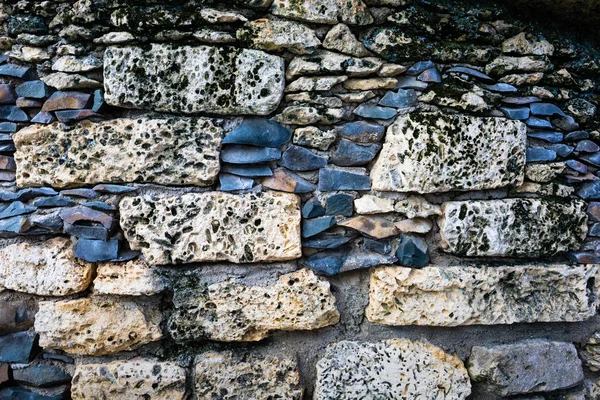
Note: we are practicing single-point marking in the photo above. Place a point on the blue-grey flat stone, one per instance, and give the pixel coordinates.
(431, 75)
(590, 190)
(576, 135)
(81, 192)
(230, 182)
(126, 255)
(483, 77)
(59, 357)
(34, 90)
(5, 138)
(239, 154)
(13, 114)
(86, 232)
(66, 116)
(547, 136)
(19, 224)
(561, 149)
(113, 189)
(8, 127)
(98, 102)
(534, 122)
(521, 100)
(594, 230)
(313, 208)
(577, 166)
(340, 204)
(411, 82)
(96, 250)
(593, 159)
(333, 179)
(259, 132)
(41, 375)
(20, 393)
(546, 109)
(299, 158)
(16, 208)
(312, 227)
(587, 146)
(501, 88)
(537, 154)
(17, 347)
(327, 241)
(412, 252)
(7, 147)
(48, 222)
(343, 259)
(400, 99)
(99, 205)
(44, 118)
(378, 246)
(362, 131)
(375, 112)
(54, 201)
(250, 171)
(288, 181)
(521, 113)
(567, 123)
(419, 67)
(350, 154)
(17, 71)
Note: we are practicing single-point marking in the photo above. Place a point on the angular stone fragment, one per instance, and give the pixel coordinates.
(17, 347)
(340, 38)
(67, 101)
(394, 369)
(77, 64)
(375, 227)
(275, 35)
(111, 325)
(512, 227)
(454, 296)
(64, 81)
(138, 378)
(213, 226)
(302, 115)
(342, 179)
(327, 62)
(590, 354)
(314, 137)
(429, 153)
(246, 82)
(288, 181)
(258, 132)
(526, 44)
(507, 64)
(168, 151)
(369, 204)
(41, 375)
(46, 268)
(316, 11)
(230, 311)
(314, 84)
(133, 278)
(245, 377)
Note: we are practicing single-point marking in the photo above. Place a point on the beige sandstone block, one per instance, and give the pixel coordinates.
(132, 278)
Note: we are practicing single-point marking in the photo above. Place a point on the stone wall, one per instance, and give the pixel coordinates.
(285, 199)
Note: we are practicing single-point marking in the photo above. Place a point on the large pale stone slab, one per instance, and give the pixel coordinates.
(167, 151)
(245, 376)
(96, 326)
(393, 369)
(133, 278)
(213, 226)
(452, 296)
(45, 268)
(521, 227)
(430, 152)
(230, 311)
(219, 80)
(136, 379)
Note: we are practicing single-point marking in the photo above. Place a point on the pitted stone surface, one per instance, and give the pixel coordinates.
(133, 278)
(393, 369)
(136, 379)
(96, 326)
(429, 153)
(453, 296)
(230, 311)
(512, 227)
(213, 226)
(168, 151)
(245, 376)
(45, 268)
(245, 82)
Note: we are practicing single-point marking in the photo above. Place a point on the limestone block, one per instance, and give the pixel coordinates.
(512, 227)
(429, 153)
(274, 35)
(453, 296)
(213, 226)
(353, 12)
(544, 172)
(133, 278)
(327, 62)
(46, 268)
(245, 82)
(167, 151)
(393, 369)
(136, 379)
(230, 311)
(95, 326)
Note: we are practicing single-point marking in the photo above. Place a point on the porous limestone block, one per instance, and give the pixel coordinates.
(213, 226)
(245, 376)
(518, 227)
(167, 151)
(132, 278)
(219, 80)
(465, 295)
(393, 369)
(135, 379)
(96, 326)
(46, 268)
(229, 311)
(430, 152)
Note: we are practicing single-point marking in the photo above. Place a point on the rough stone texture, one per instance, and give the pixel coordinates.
(45, 268)
(526, 367)
(590, 353)
(512, 227)
(228, 376)
(213, 226)
(246, 82)
(229, 311)
(96, 326)
(428, 153)
(168, 151)
(397, 368)
(136, 379)
(452, 296)
(133, 278)
(273, 35)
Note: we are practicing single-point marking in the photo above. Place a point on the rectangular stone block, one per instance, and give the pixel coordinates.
(520, 227)
(167, 151)
(213, 226)
(430, 152)
(453, 296)
(185, 79)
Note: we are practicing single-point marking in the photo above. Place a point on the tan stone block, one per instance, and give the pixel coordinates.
(132, 278)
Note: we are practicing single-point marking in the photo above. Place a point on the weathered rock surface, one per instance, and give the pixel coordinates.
(46, 268)
(225, 375)
(229, 311)
(246, 82)
(213, 226)
(397, 368)
(435, 153)
(352, 12)
(95, 326)
(590, 353)
(133, 278)
(274, 35)
(452, 296)
(136, 379)
(168, 151)
(512, 227)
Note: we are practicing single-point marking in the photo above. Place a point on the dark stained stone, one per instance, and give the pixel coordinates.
(521, 113)
(259, 132)
(547, 136)
(431, 75)
(3, 59)
(537, 154)
(44, 118)
(349, 154)
(4, 373)
(100, 206)
(98, 102)
(67, 101)
(567, 123)
(383, 247)
(411, 82)
(412, 252)
(501, 88)
(335, 179)
(400, 99)
(13, 114)
(345, 258)
(7, 148)
(20, 393)
(419, 67)
(593, 211)
(298, 158)
(54, 201)
(16, 316)
(362, 131)
(587, 146)
(577, 135)
(238, 154)
(577, 166)
(51, 223)
(288, 181)
(539, 123)
(483, 77)
(590, 191)
(16, 208)
(7, 163)
(28, 103)
(561, 150)
(521, 100)
(17, 347)
(313, 208)
(86, 232)
(81, 192)
(340, 204)
(230, 182)
(58, 357)
(582, 257)
(371, 226)
(7, 94)
(113, 189)
(34, 90)
(86, 215)
(314, 226)
(251, 171)
(31, 193)
(8, 127)
(17, 71)
(67, 116)
(96, 250)
(375, 112)
(26, 23)
(327, 241)
(16, 225)
(41, 375)
(546, 109)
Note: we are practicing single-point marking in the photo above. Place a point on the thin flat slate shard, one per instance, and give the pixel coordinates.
(429, 152)
(213, 226)
(455, 296)
(168, 151)
(245, 82)
(520, 227)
